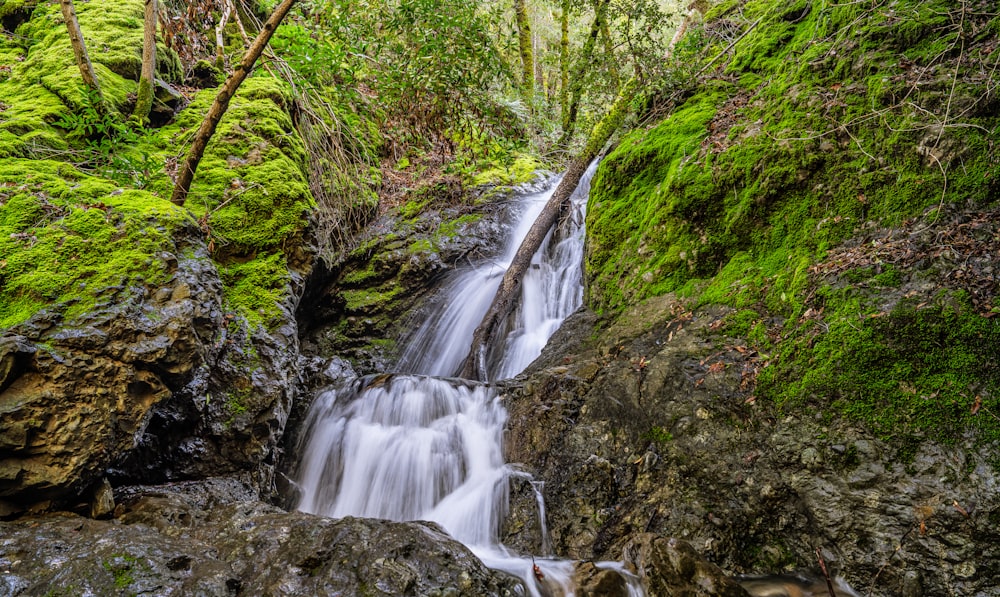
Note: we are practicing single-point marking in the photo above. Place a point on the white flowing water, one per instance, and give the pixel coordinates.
(550, 291)
(412, 447)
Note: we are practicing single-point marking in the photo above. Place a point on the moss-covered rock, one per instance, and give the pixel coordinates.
(66, 238)
(829, 121)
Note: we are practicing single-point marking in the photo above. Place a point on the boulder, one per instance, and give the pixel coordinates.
(670, 567)
(652, 426)
(207, 539)
(152, 384)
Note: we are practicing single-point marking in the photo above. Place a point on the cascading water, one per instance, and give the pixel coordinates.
(410, 447)
(550, 291)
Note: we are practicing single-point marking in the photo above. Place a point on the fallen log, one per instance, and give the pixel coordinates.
(475, 366)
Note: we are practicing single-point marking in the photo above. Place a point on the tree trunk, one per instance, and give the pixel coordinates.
(220, 41)
(525, 48)
(609, 49)
(80, 49)
(576, 87)
(144, 97)
(564, 64)
(475, 366)
(538, 46)
(681, 30)
(185, 175)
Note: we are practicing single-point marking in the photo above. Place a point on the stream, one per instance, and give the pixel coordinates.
(421, 445)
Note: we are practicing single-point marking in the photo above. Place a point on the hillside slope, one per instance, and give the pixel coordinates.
(833, 176)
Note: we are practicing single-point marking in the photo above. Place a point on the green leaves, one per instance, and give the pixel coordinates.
(424, 67)
(110, 143)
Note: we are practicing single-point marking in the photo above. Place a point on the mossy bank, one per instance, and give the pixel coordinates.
(825, 131)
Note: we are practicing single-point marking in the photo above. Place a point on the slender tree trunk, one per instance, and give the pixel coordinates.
(185, 175)
(609, 49)
(144, 97)
(220, 45)
(80, 49)
(681, 30)
(539, 50)
(564, 64)
(525, 48)
(580, 70)
(475, 366)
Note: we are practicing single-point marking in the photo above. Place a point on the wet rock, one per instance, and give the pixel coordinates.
(648, 426)
(102, 500)
(801, 584)
(672, 567)
(148, 386)
(197, 539)
(591, 581)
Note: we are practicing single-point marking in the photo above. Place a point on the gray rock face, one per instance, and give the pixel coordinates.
(202, 539)
(651, 427)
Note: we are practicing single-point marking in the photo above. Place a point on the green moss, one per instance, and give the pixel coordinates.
(9, 7)
(236, 403)
(913, 371)
(424, 245)
(122, 567)
(365, 301)
(658, 435)
(456, 227)
(738, 216)
(643, 237)
(741, 323)
(256, 287)
(66, 237)
(414, 206)
(251, 184)
(359, 277)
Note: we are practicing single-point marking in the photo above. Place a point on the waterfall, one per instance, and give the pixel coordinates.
(550, 291)
(412, 446)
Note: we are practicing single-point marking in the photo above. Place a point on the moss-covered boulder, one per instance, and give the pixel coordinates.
(834, 181)
(103, 314)
(173, 327)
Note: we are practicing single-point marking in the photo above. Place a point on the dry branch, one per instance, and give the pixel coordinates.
(185, 175)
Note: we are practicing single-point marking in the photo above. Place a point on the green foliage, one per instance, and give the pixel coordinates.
(430, 63)
(110, 143)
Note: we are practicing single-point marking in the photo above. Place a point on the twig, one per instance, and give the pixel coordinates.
(729, 47)
(826, 575)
